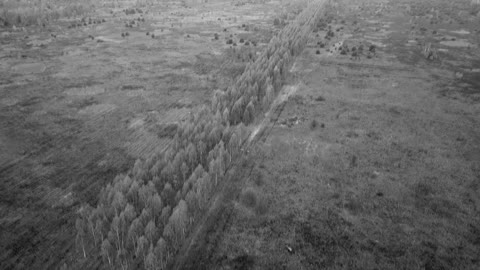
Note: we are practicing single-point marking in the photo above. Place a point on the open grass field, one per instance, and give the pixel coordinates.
(360, 143)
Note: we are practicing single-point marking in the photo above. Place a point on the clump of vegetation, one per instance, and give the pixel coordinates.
(249, 198)
(429, 53)
(230, 41)
(330, 34)
(276, 22)
(257, 176)
(313, 124)
(129, 11)
(320, 98)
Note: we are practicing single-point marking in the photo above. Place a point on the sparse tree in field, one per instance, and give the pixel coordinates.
(221, 156)
(249, 113)
(178, 196)
(145, 216)
(168, 194)
(186, 186)
(125, 184)
(215, 170)
(225, 116)
(277, 79)
(177, 224)
(268, 98)
(215, 135)
(89, 215)
(161, 252)
(177, 164)
(99, 229)
(166, 212)
(226, 133)
(205, 185)
(107, 251)
(106, 196)
(115, 228)
(112, 238)
(192, 201)
(130, 213)
(132, 194)
(237, 111)
(134, 232)
(243, 133)
(119, 202)
(156, 205)
(158, 183)
(144, 194)
(169, 234)
(218, 116)
(81, 233)
(184, 170)
(142, 247)
(233, 145)
(151, 231)
(150, 259)
(202, 151)
(138, 170)
(192, 155)
(168, 172)
(152, 159)
(157, 168)
(256, 91)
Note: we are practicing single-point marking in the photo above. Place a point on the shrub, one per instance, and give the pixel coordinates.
(257, 176)
(320, 98)
(262, 206)
(249, 198)
(313, 124)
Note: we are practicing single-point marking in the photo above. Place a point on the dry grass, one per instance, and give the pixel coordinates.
(24, 13)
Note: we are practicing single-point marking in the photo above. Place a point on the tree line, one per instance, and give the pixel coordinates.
(142, 217)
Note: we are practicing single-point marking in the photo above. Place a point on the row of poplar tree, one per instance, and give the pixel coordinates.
(142, 218)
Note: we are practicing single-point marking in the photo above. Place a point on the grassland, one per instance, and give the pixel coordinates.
(354, 146)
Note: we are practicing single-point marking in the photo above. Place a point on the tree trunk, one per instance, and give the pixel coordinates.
(83, 248)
